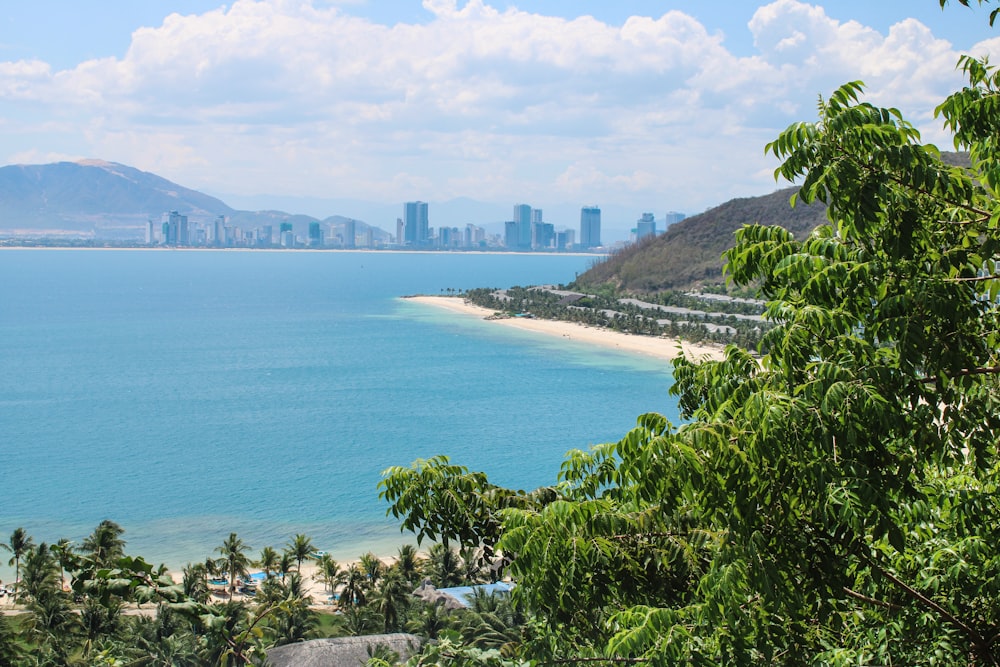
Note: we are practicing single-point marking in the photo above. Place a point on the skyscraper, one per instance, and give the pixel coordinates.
(415, 223)
(590, 226)
(645, 226)
(522, 217)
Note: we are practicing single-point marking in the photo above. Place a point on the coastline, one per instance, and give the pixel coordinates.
(660, 348)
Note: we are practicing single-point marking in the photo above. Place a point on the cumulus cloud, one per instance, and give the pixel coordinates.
(305, 98)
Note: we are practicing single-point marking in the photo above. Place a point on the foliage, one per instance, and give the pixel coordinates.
(833, 502)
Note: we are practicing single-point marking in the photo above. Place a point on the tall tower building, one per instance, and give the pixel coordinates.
(645, 226)
(415, 223)
(350, 234)
(590, 226)
(522, 217)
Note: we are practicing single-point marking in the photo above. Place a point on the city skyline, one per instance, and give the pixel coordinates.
(638, 105)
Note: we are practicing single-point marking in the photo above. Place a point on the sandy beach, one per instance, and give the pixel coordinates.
(660, 348)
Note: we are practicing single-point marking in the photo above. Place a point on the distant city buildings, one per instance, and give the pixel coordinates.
(590, 227)
(528, 231)
(673, 217)
(416, 228)
(645, 226)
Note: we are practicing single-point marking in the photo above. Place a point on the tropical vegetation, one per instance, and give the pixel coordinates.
(832, 502)
(93, 604)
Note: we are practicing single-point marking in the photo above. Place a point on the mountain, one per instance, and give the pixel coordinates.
(93, 195)
(690, 252)
(107, 200)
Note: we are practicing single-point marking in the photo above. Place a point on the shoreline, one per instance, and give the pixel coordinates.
(665, 349)
(307, 250)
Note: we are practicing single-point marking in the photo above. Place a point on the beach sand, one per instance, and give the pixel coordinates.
(660, 348)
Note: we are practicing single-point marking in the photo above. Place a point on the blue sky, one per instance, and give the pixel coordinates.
(650, 106)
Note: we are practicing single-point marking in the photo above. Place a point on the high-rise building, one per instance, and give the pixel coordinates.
(415, 223)
(673, 217)
(350, 234)
(590, 226)
(315, 235)
(522, 218)
(150, 232)
(645, 226)
(542, 235)
(219, 231)
(175, 229)
(511, 236)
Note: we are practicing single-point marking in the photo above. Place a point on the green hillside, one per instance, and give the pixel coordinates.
(689, 253)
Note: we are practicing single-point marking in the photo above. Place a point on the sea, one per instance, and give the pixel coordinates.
(188, 394)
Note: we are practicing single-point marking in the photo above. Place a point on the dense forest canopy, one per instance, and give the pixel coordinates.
(833, 502)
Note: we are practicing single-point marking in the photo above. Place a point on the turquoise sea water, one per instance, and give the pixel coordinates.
(187, 394)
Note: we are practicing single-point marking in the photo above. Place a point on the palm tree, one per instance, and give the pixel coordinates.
(39, 573)
(444, 566)
(268, 560)
(63, 551)
(300, 547)
(195, 582)
(20, 543)
(408, 563)
(105, 544)
(373, 568)
(285, 564)
(353, 593)
(330, 573)
(233, 551)
(433, 618)
(392, 599)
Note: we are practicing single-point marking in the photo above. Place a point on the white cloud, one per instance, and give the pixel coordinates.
(301, 98)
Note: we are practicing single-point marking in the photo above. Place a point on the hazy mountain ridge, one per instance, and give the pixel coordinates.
(112, 200)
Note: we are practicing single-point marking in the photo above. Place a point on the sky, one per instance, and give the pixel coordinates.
(635, 104)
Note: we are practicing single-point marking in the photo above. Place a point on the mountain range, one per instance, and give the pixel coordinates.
(111, 201)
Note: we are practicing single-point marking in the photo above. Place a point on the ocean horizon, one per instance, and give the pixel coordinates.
(187, 395)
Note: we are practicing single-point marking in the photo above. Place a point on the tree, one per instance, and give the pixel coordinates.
(353, 592)
(65, 555)
(105, 544)
(300, 548)
(234, 555)
(330, 573)
(392, 599)
(373, 568)
(832, 501)
(408, 563)
(18, 545)
(444, 566)
(268, 560)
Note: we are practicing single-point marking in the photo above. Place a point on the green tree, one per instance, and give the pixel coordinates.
(831, 502)
(330, 573)
(65, 555)
(105, 544)
(392, 599)
(268, 561)
(300, 549)
(373, 569)
(18, 545)
(408, 563)
(444, 566)
(234, 554)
